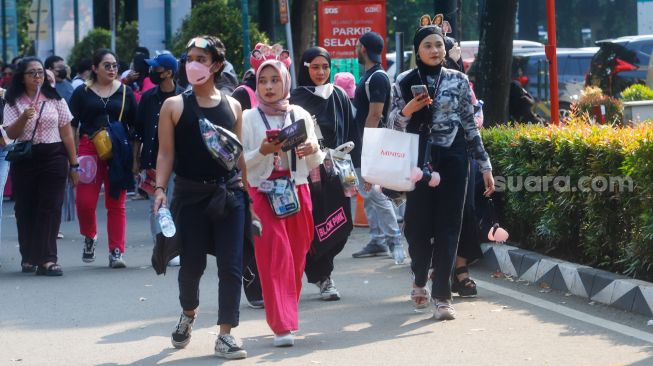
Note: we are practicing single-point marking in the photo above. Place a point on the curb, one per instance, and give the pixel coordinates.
(596, 285)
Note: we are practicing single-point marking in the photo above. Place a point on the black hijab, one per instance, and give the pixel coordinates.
(331, 109)
(420, 34)
(309, 55)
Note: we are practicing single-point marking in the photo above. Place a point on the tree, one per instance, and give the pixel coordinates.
(528, 16)
(96, 38)
(302, 20)
(217, 18)
(492, 82)
(126, 42)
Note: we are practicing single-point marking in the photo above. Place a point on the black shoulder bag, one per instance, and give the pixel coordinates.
(22, 150)
(222, 144)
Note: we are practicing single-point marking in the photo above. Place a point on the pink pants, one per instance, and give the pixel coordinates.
(87, 199)
(281, 260)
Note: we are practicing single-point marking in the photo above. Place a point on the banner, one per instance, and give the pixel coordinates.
(342, 23)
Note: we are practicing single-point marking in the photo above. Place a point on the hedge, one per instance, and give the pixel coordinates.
(610, 229)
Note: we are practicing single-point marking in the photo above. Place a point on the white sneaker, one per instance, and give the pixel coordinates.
(285, 340)
(328, 290)
(174, 262)
(226, 346)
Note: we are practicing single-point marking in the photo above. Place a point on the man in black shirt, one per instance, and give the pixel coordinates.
(57, 65)
(162, 72)
(372, 101)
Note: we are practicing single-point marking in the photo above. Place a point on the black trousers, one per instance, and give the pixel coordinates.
(436, 213)
(319, 268)
(469, 246)
(199, 236)
(38, 185)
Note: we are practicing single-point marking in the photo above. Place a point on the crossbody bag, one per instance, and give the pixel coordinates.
(22, 150)
(222, 144)
(281, 192)
(101, 139)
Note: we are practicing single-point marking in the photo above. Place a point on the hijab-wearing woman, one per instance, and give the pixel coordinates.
(444, 120)
(333, 111)
(282, 247)
(35, 112)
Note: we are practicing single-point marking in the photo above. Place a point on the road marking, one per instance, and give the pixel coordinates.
(571, 313)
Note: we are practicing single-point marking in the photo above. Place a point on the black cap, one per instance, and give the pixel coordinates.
(373, 43)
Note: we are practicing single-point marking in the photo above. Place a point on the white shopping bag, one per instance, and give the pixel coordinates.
(388, 158)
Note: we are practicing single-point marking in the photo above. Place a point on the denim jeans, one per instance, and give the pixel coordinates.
(4, 172)
(381, 217)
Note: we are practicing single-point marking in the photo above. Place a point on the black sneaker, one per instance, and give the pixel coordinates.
(116, 260)
(88, 252)
(225, 346)
(181, 336)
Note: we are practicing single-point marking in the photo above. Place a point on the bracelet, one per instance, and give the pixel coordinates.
(74, 165)
(163, 189)
(76, 168)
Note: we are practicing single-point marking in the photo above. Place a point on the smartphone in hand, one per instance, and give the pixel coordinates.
(273, 134)
(418, 90)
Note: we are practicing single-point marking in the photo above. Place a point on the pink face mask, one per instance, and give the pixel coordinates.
(197, 73)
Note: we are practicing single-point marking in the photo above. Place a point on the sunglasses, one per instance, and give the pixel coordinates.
(35, 73)
(110, 66)
(198, 42)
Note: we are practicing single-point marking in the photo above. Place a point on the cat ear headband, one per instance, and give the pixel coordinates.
(438, 20)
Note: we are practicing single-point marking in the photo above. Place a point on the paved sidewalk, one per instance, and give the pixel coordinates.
(94, 315)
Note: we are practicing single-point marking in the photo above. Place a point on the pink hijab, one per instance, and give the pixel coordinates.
(281, 106)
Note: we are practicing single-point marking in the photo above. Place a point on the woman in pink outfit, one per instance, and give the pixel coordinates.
(280, 260)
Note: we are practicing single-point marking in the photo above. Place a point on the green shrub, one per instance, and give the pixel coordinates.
(593, 96)
(637, 92)
(610, 229)
(96, 38)
(217, 18)
(126, 42)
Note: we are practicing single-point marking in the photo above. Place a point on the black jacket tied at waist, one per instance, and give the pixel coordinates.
(187, 193)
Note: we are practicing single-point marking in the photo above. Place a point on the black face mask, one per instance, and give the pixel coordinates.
(155, 77)
(61, 73)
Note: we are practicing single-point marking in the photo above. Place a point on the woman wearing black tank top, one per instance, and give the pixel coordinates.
(200, 179)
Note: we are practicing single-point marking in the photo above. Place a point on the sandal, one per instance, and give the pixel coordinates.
(52, 270)
(27, 268)
(444, 310)
(465, 287)
(420, 297)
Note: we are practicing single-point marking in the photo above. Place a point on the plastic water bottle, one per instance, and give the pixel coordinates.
(164, 217)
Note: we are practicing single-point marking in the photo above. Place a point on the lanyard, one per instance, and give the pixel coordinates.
(277, 159)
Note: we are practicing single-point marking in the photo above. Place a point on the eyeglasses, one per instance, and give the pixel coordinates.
(35, 73)
(110, 66)
(198, 42)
